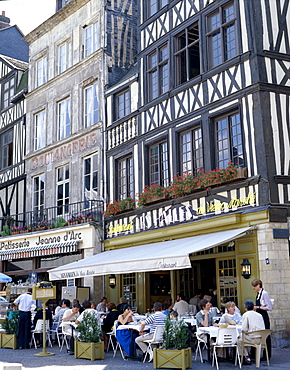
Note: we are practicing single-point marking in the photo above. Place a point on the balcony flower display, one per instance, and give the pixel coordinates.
(16, 230)
(152, 193)
(187, 183)
(119, 206)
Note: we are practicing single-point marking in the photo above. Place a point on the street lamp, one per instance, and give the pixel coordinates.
(112, 281)
(246, 268)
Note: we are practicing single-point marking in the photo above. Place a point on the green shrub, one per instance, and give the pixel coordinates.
(90, 329)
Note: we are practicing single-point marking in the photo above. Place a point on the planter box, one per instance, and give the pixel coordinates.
(91, 351)
(8, 341)
(157, 198)
(172, 359)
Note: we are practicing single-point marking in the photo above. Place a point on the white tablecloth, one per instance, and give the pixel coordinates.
(190, 321)
(133, 326)
(213, 330)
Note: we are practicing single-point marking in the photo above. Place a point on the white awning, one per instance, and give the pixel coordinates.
(168, 255)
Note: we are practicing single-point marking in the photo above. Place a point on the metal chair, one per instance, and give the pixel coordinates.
(157, 339)
(227, 337)
(39, 330)
(200, 342)
(64, 338)
(117, 343)
(263, 334)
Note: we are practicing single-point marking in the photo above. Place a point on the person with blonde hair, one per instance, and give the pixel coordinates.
(231, 315)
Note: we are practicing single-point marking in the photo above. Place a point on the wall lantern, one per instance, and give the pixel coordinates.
(112, 281)
(246, 268)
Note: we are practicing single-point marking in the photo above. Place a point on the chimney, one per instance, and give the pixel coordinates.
(4, 21)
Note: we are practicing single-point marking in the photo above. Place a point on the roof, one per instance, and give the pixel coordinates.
(12, 44)
(17, 64)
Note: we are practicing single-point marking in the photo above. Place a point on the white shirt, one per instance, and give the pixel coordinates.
(265, 299)
(181, 307)
(252, 321)
(24, 302)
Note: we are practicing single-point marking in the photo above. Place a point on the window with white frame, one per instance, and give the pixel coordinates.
(158, 164)
(125, 177)
(222, 34)
(6, 142)
(191, 150)
(91, 105)
(38, 193)
(41, 71)
(154, 5)
(123, 104)
(91, 39)
(7, 92)
(229, 141)
(62, 190)
(64, 56)
(91, 167)
(40, 130)
(187, 58)
(63, 119)
(158, 72)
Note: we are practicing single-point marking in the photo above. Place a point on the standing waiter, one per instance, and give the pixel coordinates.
(24, 302)
(263, 304)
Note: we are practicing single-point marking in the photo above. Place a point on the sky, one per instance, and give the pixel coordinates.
(27, 14)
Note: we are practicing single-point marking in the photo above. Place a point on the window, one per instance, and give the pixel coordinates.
(38, 191)
(63, 119)
(65, 56)
(90, 175)
(158, 72)
(123, 104)
(228, 279)
(91, 105)
(125, 178)
(155, 5)
(229, 141)
(62, 190)
(7, 92)
(40, 130)
(91, 39)
(129, 288)
(191, 150)
(159, 167)
(222, 44)
(187, 54)
(6, 141)
(41, 70)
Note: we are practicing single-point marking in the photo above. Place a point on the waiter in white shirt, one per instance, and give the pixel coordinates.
(24, 303)
(263, 305)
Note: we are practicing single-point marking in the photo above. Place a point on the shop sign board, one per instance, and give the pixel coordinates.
(179, 213)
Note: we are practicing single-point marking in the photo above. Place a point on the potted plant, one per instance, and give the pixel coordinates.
(60, 222)
(152, 194)
(8, 339)
(175, 353)
(89, 344)
(119, 206)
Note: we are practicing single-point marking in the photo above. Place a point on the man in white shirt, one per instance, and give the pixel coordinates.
(251, 321)
(64, 307)
(181, 306)
(24, 303)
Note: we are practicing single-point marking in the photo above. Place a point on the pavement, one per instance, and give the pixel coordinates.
(62, 360)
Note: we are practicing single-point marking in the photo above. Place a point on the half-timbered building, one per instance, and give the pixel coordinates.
(213, 89)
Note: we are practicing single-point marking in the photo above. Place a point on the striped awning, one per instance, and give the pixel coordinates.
(39, 251)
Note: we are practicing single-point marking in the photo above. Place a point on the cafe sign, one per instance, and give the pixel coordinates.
(183, 212)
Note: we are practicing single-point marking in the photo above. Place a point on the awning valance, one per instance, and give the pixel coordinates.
(167, 255)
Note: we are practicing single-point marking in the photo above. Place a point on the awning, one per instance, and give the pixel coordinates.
(168, 255)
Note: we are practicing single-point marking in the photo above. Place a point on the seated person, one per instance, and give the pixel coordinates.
(251, 321)
(223, 308)
(167, 308)
(93, 305)
(70, 315)
(204, 317)
(181, 306)
(158, 318)
(126, 316)
(231, 314)
(123, 302)
(64, 306)
(196, 299)
(102, 306)
(39, 316)
(108, 321)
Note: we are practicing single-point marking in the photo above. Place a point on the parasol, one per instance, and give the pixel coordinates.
(4, 278)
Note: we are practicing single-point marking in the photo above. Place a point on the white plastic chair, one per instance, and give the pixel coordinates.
(64, 338)
(39, 330)
(56, 330)
(200, 342)
(117, 343)
(111, 335)
(264, 334)
(157, 339)
(227, 337)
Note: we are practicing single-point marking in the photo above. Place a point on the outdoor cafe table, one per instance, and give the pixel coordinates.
(212, 332)
(127, 340)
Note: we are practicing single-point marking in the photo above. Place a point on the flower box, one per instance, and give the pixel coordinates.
(172, 358)
(8, 341)
(90, 351)
(157, 198)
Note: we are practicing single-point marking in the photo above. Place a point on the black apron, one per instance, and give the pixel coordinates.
(266, 320)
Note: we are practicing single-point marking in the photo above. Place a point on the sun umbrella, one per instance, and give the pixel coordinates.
(4, 278)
